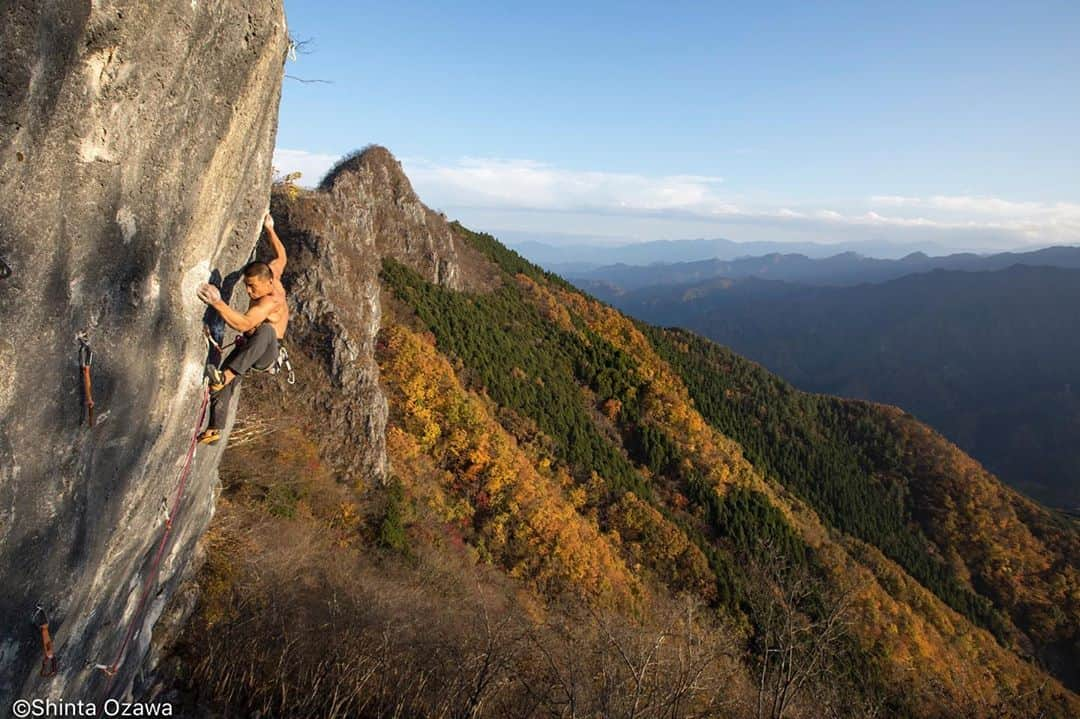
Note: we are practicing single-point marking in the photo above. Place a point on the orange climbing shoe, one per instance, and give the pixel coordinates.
(209, 436)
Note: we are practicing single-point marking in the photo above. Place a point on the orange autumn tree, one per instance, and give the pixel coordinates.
(514, 512)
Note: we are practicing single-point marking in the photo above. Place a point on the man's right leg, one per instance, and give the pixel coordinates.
(257, 346)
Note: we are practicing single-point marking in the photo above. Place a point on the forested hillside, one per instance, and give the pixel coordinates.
(588, 516)
(986, 358)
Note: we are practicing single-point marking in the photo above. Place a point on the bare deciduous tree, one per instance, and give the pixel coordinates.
(802, 626)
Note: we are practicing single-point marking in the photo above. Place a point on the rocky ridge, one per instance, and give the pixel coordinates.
(336, 237)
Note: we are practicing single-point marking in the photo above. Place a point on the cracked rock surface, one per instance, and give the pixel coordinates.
(135, 151)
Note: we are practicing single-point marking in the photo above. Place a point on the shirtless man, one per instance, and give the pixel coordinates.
(263, 326)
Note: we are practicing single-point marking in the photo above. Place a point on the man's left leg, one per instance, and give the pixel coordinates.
(259, 349)
(255, 351)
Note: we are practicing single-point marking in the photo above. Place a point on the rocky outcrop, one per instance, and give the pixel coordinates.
(135, 148)
(336, 237)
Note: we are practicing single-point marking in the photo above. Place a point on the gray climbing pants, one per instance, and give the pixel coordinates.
(259, 351)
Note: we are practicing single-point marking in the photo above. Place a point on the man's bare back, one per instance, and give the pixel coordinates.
(279, 317)
(278, 312)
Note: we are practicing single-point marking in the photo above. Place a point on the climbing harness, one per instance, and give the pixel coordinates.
(280, 362)
(155, 565)
(86, 358)
(48, 662)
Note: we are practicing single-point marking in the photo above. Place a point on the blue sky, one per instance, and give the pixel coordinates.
(803, 121)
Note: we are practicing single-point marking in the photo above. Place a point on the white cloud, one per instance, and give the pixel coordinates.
(311, 166)
(988, 206)
(522, 184)
(485, 185)
(1054, 221)
(525, 184)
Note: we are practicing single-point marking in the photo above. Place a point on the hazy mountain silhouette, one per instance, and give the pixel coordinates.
(848, 268)
(568, 257)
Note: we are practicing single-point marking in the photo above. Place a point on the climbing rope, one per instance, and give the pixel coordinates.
(48, 662)
(155, 565)
(86, 358)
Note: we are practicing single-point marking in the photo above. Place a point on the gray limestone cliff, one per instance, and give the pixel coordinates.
(336, 237)
(135, 150)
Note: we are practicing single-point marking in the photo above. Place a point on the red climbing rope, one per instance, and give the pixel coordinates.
(221, 347)
(151, 577)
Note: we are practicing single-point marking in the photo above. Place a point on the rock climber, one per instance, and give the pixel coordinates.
(262, 327)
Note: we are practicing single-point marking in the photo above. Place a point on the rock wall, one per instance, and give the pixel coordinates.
(135, 149)
(336, 238)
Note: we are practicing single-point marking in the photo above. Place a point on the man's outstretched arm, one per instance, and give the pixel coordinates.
(278, 263)
(249, 320)
(241, 322)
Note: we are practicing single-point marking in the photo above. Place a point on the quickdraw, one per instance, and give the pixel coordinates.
(283, 360)
(219, 347)
(48, 662)
(86, 358)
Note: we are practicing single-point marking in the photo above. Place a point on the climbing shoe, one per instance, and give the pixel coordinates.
(209, 435)
(216, 378)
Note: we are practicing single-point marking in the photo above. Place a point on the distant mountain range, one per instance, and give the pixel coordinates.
(989, 358)
(565, 256)
(848, 268)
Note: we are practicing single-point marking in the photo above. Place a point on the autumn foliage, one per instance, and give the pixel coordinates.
(514, 513)
(591, 517)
